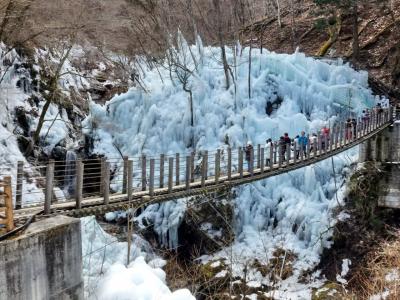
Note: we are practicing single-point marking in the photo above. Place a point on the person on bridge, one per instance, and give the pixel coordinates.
(296, 145)
(282, 147)
(248, 150)
(325, 131)
(287, 142)
(303, 141)
(365, 118)
(313, 142)
(349, 130)
(354, 127)
(267, 151)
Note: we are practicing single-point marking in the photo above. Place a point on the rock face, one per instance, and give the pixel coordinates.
(45, 262)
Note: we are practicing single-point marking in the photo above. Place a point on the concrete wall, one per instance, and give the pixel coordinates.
(45, 262)
(381, 146)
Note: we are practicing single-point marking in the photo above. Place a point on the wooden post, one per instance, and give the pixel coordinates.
(330, 139)
(258, 156)
(271, 156)
(49, 187)
(302, 152)
(204, 168)
(151, 184)
(206, 164)
(280, 154)
(288, 151)
(294, 151)
(20, 178)
(8, 203)
(79, 184)
(251, 162)
(262, 160)
(130, 179)
(217, 165)
(162, 158)
(319, 138)
(240, 153)
(102, 165)
(177, 167)
(192, 165)
(106, 183)
(188, 171)
(315, 146)
(229, 163)
(341, 134)
(170, 174)
(124, 178)
(144, 160)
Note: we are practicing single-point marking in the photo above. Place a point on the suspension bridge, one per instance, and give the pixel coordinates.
(98, 186)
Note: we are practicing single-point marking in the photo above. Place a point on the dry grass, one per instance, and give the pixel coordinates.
(381, 273)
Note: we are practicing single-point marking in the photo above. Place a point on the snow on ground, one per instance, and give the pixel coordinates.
(293, 211)
(106, 276)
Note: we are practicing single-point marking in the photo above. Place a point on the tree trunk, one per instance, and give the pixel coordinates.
(249, 79)
(222, 44)
(278, 6)
(356, 43)
(53, 86)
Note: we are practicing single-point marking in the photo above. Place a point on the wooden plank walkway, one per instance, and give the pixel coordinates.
(206, 184)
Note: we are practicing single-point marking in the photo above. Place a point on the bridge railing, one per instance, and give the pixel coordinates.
(106, 180)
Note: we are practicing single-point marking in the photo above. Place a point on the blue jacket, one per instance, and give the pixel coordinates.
(303, 141)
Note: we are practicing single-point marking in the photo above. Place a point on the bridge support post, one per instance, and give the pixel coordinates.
(217, 165)
(192, 165)
(170, 173)
(271, 156)
(102, 164)
(204, 169)
(144, 172)
(49, 187)
(294, 152)
(79, 184)
(188, 171)
(20, 176)
(124, 178)
(229, 171)
(151, 183)
(240, 154)
(262, 160)
(8, 203)
(106, 183)
(130, 179)
(162, 158)
(251, 162)
(177, 169)
(258, 156)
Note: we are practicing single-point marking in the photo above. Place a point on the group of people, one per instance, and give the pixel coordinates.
(287, 146)
(298, 145)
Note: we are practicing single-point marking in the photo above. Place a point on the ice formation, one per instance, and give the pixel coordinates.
(138, 281)
(106, 275)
